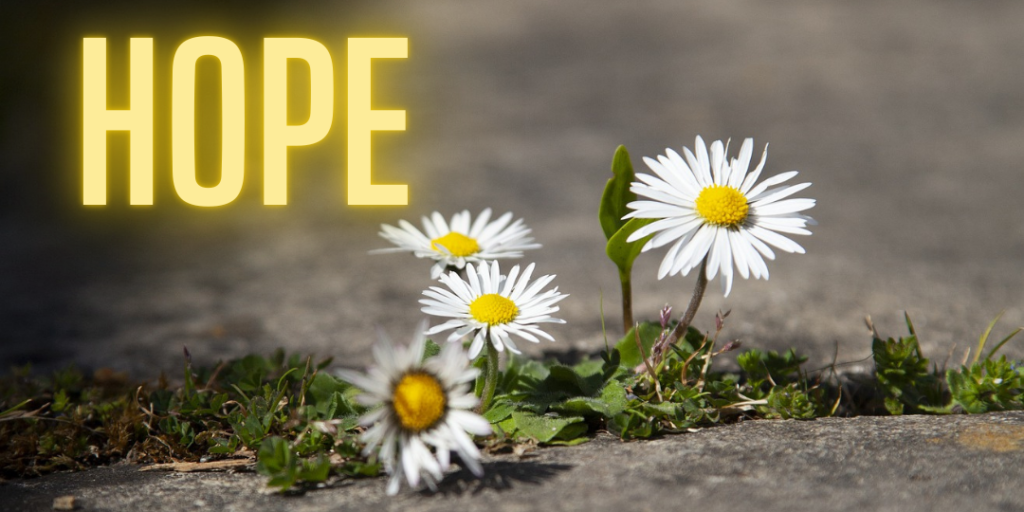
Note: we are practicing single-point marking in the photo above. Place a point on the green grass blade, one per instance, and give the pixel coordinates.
(984, 337)
(1003, 342)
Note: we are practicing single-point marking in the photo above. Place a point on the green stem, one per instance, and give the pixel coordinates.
(627, 302)
(691, 310)
(490, 378)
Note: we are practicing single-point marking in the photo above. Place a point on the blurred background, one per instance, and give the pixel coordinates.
(908, 117)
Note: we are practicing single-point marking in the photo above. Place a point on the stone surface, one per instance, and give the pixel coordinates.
(907, 118)
(911, 463)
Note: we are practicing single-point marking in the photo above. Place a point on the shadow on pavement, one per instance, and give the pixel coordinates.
(499, 476)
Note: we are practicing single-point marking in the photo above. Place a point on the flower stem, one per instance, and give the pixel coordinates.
(627, 302)
(691, 310)
(490, 379)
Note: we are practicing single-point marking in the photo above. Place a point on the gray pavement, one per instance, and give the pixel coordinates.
(908, 118)
(910, 463)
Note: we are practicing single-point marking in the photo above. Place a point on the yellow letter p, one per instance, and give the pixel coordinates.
(277, 135)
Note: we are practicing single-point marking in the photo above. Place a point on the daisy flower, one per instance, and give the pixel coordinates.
(494, 306)
(710, 207)
(423, 404)
(453, 244)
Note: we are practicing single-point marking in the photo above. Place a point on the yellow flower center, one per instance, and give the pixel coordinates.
(722, 205)
(493, 309)
(456, 243)
(418, 401)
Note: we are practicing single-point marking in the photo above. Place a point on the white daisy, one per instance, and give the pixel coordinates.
(711, 207)
(494, 306)
(453, 244)
(423, 404)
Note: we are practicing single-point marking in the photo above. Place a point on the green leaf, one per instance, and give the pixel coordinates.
(984, 337)
(611, 402)
(545, 428)
(60, 401)
(327, 395)
(583, 406)
(315, 470)
(614, 395)
(759, 365)
(431, 349)
(629, 354)
(616, 193)
(571, 381)
(275, 460)
(499, 410)
(894, 406)
(623, 253)
(987, 386)
(572, 442)
(507, 425)
(789, 402)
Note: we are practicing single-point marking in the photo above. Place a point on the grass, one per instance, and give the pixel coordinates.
(298, 422)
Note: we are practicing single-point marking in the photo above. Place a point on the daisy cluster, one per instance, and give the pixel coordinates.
(423, 409)
(710, 211)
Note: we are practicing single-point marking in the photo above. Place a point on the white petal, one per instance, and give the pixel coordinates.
(777, 240)
(696, 250)
(460, 222)
(471, 422)
(741, 164)
(363, 382)
(717, 158)
(478, 344)
(440, 224)
(774, 180)
(758, 244)
(480, 222)
(785, 206)
(739, 252)
(704, 165)
(752, 177)
(685, 174)
(670, 258)
(770, 196)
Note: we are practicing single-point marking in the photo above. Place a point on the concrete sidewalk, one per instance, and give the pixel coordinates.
(910, 463)
(907, 118)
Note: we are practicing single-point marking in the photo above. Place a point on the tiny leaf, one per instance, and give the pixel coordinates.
(616, 193)
(545, 428)
(623, 253)
(628, 351)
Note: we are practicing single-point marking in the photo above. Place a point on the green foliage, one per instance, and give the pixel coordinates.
(552, 403)
(284, 469)
(301, 421)
(614, 201)
(431, 349)
(792, 402)
(672, 391)
(331, 398)
(627, 349)
(903, 375)
(987, 386)
(769, 367)
(984, 385)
